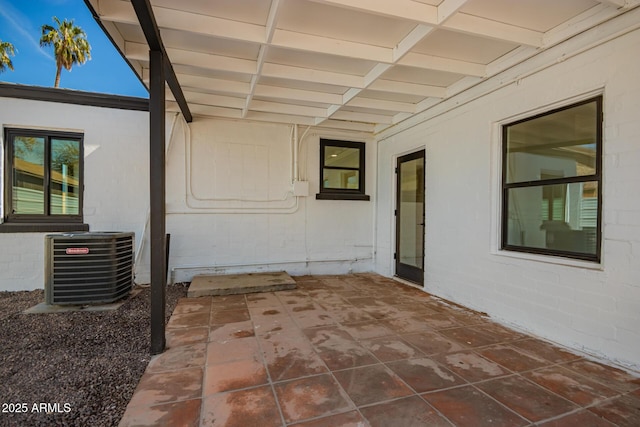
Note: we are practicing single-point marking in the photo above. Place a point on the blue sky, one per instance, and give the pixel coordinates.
(20, 24)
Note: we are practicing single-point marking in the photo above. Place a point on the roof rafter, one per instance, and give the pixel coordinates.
(399, 51)
(270, 29)
(410, 40)
(448, 8)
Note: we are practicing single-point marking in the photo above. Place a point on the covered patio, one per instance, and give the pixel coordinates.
(251, 105)
(362, 349)
(278, 129)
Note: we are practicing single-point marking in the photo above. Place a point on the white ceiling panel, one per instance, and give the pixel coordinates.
(215, 74)
(300, 85)
(401, 73)
(201, 43)
(212, 85)
(248, 11)
(390, 96)
(292, 102)
(309, 17)
(131, 32)
(342, 64)
(463, 47)
(379, 107)
(430, 2)
(537, 15)
(318, 61)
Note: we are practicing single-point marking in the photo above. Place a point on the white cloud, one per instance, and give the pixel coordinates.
(23, 27)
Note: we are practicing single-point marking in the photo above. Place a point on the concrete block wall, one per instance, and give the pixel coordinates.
(594, 308)
(229, 213)
(116, 176)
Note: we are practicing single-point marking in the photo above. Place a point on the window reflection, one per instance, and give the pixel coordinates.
(560, 217)
(564, 141)
(411, 198)
(45, 175)
(341, 157)
(551, 180)
(28, 175)
(341, 178)
(65, 176)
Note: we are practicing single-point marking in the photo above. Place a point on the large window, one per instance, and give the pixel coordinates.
(43, 176)
(552, 182)
(342, 170)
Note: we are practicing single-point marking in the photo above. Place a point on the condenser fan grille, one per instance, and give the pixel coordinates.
(88, 268)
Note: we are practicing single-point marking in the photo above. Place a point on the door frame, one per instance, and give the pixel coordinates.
(415, 275)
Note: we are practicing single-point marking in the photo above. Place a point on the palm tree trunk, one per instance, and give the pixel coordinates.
(58, 70)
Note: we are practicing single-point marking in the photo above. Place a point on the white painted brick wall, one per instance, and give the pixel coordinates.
(301, 237)
(596, 310)
(116, 178)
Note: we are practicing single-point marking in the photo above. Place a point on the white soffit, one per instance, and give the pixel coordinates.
(343, 64)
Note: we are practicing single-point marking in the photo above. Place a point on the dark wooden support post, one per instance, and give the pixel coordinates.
(157, 199)
(160, 70)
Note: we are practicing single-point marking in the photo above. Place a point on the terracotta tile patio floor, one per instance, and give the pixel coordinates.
(364, 350)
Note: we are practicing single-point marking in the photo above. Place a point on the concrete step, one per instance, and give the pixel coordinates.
(231, 284)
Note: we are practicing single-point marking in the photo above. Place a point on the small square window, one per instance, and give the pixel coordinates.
(342, 170)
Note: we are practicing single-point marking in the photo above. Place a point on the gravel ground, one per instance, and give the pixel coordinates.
(85, 365)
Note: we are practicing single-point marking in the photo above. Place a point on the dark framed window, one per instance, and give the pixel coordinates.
(342, 171)
(552, 182)
(43, 180)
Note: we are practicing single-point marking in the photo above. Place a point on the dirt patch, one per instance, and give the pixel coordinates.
(75, 368)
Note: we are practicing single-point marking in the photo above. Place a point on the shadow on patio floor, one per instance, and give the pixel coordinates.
(359, 350)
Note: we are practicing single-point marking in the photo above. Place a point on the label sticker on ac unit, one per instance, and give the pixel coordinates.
(77, 251)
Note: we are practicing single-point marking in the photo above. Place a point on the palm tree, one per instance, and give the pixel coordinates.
(70, 45)
(6, 50)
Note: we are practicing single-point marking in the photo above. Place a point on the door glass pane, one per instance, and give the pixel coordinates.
(65, 177)
(560, 217)
(563, 143)
(28, 175)
(341, 157)
(411, 231)
(341, 178)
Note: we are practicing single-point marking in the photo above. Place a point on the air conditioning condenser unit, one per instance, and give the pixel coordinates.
(88, 268)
